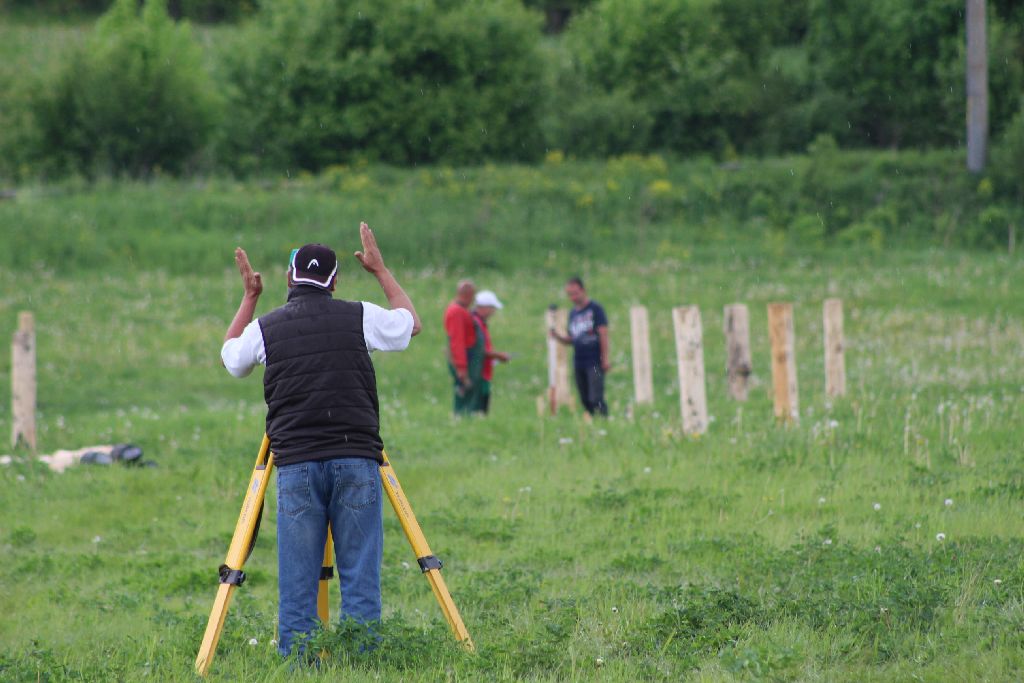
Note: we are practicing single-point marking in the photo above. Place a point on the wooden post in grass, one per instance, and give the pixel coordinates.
(780, 331)
(737, 345)
(558, 362)
(23, 382)
(642, 383)
(835, 364)
(690, 356)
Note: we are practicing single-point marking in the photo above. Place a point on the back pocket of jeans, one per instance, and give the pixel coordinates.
(356, 483)
(293, 489)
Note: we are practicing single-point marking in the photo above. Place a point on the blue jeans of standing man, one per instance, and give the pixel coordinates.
(347, 493)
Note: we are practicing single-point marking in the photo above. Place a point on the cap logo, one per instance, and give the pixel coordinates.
(312, 263)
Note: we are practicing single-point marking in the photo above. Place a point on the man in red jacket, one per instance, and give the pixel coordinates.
(465, 350)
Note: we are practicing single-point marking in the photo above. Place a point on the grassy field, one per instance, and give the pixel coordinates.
(618, 551)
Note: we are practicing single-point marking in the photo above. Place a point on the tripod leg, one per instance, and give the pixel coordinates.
(231, 574)
(323, 596)
(429, 564)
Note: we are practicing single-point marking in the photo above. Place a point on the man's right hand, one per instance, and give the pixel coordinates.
(370, 256)
(463, 376)
(252, 281)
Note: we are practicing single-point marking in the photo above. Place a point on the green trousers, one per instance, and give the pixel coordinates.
(471, 399)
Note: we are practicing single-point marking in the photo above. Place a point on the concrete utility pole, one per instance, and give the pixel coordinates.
(977, 86)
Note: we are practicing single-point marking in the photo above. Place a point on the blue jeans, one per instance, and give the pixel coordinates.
(347, 493)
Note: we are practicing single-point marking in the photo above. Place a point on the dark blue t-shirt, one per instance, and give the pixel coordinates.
(583, 324)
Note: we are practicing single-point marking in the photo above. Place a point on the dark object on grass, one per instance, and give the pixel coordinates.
(96, 458)
(126, 453)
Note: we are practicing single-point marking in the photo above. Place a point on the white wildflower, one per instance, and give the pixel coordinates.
(647, 470)
(821, 501)
(877, 506)
(253, 641)
(827, 541)
(565, 440)
(948, 502)
(940, 537)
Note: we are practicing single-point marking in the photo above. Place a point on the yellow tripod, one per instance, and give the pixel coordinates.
(232, 576)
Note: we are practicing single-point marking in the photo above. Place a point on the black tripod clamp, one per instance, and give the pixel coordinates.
(429, 562)
(236, 577)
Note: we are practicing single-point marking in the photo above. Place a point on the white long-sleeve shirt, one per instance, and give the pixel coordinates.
(383, 330)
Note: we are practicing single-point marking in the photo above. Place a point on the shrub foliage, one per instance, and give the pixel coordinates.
(135, 99)
(310, 84)
(319, 82)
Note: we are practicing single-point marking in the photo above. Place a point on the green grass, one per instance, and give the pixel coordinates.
(662, 555)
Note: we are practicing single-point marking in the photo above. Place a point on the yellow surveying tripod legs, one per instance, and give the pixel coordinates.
(429, 564)
(231, 574)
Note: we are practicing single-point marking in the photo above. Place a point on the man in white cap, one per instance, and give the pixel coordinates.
(485, 305)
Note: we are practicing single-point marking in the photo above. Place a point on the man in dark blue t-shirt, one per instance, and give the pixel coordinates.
(588, 334)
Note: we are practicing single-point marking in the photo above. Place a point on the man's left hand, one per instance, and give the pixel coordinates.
(605, 366)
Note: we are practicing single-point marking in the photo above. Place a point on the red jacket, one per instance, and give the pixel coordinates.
(458, 323)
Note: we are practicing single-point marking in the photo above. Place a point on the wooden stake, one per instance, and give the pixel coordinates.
(780, 330)
(690, 356)
(23, 382)
(835, 364)
(559, 393)
(737, 344)
(642, 383)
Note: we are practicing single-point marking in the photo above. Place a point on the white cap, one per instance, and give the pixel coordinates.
(487, 298)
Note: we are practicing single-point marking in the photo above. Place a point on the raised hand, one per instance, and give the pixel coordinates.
(370, 256)
(252, 281)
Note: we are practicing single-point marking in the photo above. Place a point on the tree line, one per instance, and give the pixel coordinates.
(306, 84)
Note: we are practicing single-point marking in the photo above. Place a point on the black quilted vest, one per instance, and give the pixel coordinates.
(320, 387)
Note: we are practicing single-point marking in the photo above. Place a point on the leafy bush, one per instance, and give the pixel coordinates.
(16, 128)
(135, 99)
(319, 82)
(198, 10)
(211, 10)
(669, 61)
(891, 73)
(1008, 158)
(72, 7)
(686, 76)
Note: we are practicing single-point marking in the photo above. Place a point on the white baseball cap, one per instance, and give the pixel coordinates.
(487, 298)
